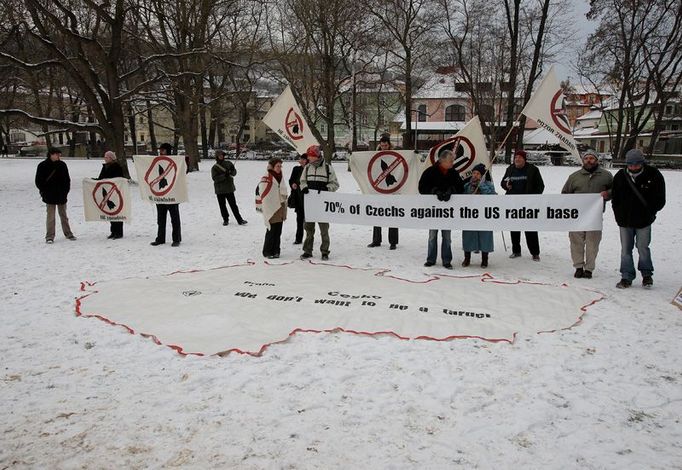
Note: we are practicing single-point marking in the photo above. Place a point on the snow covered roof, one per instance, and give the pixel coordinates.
(594, 114)
(439, 86)
(436, 126)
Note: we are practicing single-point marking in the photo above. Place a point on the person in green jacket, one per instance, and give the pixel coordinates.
(223, 173)
(591, 178)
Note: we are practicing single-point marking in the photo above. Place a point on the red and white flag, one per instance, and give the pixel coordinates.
(547, 107)
(468, 146)
(387, 171)
(286, 119)
(162, 178)
(106, 200)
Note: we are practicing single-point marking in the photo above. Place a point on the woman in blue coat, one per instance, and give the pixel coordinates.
(478, 240)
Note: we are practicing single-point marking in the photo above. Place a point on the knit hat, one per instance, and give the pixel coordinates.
(590, 152)
(634, 157)
(313, 151)
(521, 153)
(480, 168)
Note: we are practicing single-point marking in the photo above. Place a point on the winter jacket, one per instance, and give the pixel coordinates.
(110, 170)
(53, 181)
(478, 240)
(582, 181)
(629, 210)
(295, 178)
(223, 173)
(434, 181)
(534, 183)
(271, 199)
(319, 177)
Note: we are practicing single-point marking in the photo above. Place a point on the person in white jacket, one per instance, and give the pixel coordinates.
(271, 201)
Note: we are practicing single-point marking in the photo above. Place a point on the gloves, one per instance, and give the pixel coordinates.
(444, 196)
(305, 190)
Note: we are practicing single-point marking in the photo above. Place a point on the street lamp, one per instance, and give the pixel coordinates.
(416, 125)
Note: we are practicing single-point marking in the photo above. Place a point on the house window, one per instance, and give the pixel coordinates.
(421, 113)
(246, 137)
(461, 87)
(486, 112)
(141, 137)
(141, 119)
(454, 112)
(668, 110)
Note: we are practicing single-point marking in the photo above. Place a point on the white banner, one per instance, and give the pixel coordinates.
(388, 171)
(106, 200)
(468, 146)
(547, 107)
(286, 119)
(542, 212)
(162, 178)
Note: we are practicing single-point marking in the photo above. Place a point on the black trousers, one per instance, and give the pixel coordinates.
(117, 229)
(531, 240)
(271, 245)
(392, 235)
(300, 220)
(233, 206)
(161, 211)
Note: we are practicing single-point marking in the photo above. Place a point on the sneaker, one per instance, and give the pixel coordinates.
(647, 281)
(624, 284)
(536, 257)
(306, 256)
(243, 222)
(447, 265)
(49, 242)
(157, 243)
(226, 222)
(587, 274)
(175, 244)
(325, 257)
(515, 255)
(373, 245)
(579, 272)
(428, 264)
(72, 238)
(392, 247)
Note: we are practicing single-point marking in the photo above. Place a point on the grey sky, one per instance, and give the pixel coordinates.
(584, 27)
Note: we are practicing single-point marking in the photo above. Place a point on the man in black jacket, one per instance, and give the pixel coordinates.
(638, 194)
(443, 180)
(522, 177)
(54, 183)
(296, 196)
(163, 209)
(111, 169)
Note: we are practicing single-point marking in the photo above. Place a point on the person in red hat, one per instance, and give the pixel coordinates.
(522, 177)
(317, 175)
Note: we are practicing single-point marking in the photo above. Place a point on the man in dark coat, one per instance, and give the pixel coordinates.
(522, 177)
(53, 182)
(111, 169)
(163, 209)
(443, 180)
(385, 144)
(638, 194)
(297, 196)
(223, 173)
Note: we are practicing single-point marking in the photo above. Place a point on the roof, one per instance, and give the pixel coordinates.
(594, 114)
(447, 126)
(439, 86)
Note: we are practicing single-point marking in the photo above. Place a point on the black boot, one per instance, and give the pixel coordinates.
(484, 260)
(467, 259)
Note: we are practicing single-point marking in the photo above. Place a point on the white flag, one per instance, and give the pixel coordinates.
(388, 171)
(106, 200)
(162, 178)
(547, 107)
(468, 146)
(286, 119)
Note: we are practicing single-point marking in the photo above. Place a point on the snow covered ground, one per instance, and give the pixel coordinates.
(77, 393)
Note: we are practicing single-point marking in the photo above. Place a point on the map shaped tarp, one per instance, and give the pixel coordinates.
(245, 308)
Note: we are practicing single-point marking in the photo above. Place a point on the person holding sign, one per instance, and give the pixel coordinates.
(443, 180)
(384, 144)
(54, 183)
(223, 173)
(111, 169)
(589, 179)
(271, 201)
(317, 175)
(478, 240)
(522, 177)
(163, 209)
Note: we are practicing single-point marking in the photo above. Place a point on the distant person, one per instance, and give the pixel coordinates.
(223, 173)
(272, 202)
(443, 180)
(638, 194)
(54, 183)
(163, 209)
(111, 169)
(591, 178)
(478, 240)
(317, 175)
(297, 196)
(522, 177)
(384, 144)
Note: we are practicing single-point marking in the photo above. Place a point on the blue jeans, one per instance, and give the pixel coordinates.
(445, 247)
(629, 238)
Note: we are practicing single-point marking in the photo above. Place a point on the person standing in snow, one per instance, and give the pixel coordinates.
(591, 178)
(54, 183)
(271, 201)
(638, 194)
(163, 209)
(223, 173)
(111, 169)
(478, 240)
(384, 144)
(297, 196)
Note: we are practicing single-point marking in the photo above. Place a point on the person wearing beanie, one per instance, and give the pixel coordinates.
(317, 175)
(591, 178)
(522, 177)
(478, 240)
(384, 144)
(223, 173)
(638, 194)
(162, 210)
(296, 197)
(54, 183)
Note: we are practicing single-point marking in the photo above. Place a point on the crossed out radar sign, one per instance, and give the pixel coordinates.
(161, 175)
(558, 112)
(464, 150)
(387, 171)
(294, 125)
(108, 198)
